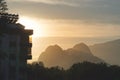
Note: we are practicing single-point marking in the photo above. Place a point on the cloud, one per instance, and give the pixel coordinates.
(53, 2)
(63, 2)
(92, 11)
(74, 2)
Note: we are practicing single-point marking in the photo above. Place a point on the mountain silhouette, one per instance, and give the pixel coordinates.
(55, 56)
(82, 48)
(109, 51)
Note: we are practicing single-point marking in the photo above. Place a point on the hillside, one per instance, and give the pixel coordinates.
(109, 51)
(56, 56)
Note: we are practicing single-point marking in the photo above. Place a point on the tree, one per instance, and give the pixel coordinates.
(6, 17)
(3, 6)
(79, 71)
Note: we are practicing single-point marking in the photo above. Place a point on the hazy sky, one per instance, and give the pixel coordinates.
(83, 18)
(68, 18)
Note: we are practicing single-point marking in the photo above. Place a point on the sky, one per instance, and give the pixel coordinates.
(69, 18)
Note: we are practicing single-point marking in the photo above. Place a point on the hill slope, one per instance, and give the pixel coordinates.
(109, 51)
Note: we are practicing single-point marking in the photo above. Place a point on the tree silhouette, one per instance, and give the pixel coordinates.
(3, 6)
(79, 71)
(6, 17)
(92, 71)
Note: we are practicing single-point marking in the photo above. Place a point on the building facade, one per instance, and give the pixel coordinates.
(15, 48)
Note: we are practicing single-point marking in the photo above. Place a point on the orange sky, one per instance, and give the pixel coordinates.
(68, 28)
(69, 18)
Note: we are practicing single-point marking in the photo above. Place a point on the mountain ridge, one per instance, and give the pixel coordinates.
(54, 55)
(108, 51)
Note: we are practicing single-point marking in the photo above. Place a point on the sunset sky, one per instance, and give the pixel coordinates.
(69, 18)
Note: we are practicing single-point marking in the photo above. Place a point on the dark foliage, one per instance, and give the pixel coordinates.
(3, 6)
(79, 71)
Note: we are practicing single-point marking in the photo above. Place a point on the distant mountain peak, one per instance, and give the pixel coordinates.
(54, 48)
(55, 56)
(82, 47)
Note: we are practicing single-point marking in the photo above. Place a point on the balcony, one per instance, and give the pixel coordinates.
(29, 56)
(26, 45)
(29, 45)
(29, 32)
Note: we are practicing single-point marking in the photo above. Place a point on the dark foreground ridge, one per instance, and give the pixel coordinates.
(79, 71)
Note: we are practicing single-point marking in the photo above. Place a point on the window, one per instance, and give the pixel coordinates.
(29, 50)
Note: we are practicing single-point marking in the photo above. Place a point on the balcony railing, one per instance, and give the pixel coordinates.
(29, 31)
(29, 45)
(29, 56)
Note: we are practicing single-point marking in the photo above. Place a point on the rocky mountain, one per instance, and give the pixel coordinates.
(109, 51)
(55, 56)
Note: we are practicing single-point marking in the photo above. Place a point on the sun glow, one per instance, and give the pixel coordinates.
(30, 23)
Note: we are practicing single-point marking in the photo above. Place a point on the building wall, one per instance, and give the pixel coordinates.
(14, 44)
(5, 61)
(13, 62)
